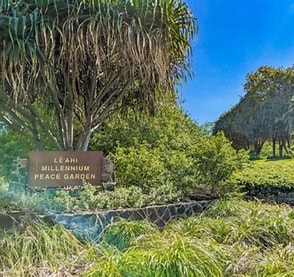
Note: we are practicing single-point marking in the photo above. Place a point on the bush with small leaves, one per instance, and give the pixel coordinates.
(216, 160)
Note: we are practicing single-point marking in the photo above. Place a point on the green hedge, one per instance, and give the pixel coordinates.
(267, 177)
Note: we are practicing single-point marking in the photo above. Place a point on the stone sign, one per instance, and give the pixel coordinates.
(64, 168)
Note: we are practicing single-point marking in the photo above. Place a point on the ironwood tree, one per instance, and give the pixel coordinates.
(263, 113)
(79, 62)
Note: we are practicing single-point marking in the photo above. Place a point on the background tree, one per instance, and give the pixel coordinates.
(260, 114)
(86, 60)
(241, 126)
(273, 88)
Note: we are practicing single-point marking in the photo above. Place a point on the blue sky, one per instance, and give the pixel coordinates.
(235, 38)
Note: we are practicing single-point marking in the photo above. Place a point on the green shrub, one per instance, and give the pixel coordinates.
(139, 166)
(86, 198)
(151, 152)
(12, 146)
(216, 160)
(180, 166)
(267, 177)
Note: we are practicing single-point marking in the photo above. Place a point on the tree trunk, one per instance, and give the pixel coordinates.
(258, 146)
(84, 141)
(281, 147)
(66, 127)
(274, 147)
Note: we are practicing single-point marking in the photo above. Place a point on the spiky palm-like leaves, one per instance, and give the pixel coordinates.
(88, 59)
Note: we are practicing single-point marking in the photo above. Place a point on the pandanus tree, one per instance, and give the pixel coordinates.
(83, 61)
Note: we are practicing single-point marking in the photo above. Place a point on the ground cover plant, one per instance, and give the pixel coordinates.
(41, 251)
(84, 199)
(267, 177)
(232, 237)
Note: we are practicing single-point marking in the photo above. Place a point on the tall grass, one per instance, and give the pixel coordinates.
(232, 237)
(162, 255)
(124, 234)
(40, 251)
(249, 233)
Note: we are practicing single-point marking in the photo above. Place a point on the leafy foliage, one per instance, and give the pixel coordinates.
(85, 199)
(232, 237)
(245, 231)
(139, 166)
(124, 234)
(267, 177)
(263, 113)
(12, 146)
(216, 161)
(152, 152)
(41, 250)
(85, 60)
(168, 148)
(158, 160)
